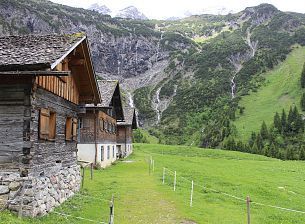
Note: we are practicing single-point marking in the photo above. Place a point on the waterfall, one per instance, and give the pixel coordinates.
(233, 86)
(158, 47)
(130, 100)
(157, 102)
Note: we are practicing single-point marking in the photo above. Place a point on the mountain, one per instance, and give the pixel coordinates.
(131, 12)
(103, 9)
(186, 77)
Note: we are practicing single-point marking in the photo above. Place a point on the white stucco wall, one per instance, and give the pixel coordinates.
(87, 152)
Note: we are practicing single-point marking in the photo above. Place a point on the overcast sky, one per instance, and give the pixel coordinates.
(160, 9)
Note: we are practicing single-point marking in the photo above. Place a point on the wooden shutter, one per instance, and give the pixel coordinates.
(44, 124)
(52, 126)
(74, 129)
(69, 129)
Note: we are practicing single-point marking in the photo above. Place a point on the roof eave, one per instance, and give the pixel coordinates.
(54, 64)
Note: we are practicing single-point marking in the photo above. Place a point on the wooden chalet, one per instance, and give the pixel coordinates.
(44, 82)
(98, 126)
(124, 132)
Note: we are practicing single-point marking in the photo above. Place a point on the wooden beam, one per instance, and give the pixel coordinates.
(77, 62)
(37, 73)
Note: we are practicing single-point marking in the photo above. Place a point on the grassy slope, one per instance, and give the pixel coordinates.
(266, 180)
(140, 198)
(280, 90)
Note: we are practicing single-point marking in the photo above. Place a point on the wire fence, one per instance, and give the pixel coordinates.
(170, 178)
(86, 219)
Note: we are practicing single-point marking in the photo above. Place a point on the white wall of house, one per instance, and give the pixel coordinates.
(106, 153)
(86, 152)
(126, 149)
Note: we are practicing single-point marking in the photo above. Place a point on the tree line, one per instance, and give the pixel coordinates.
(283, 139)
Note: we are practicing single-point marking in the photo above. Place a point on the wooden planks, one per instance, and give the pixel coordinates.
(64, 87)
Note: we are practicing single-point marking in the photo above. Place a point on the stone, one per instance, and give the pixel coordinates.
(29, 193)
(3, 200)
(14, 186)
(13, 194)
(4, 189)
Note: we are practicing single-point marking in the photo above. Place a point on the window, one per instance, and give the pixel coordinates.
(105, 125)
(47, 124)
(108, 152)
(109, 127)
(71, 129)
(102, 153)
(112, 151)
(80, 123)
(101, 124)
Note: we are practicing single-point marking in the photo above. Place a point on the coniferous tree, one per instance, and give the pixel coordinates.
(298, 121)
(303, 102)
(277, 122)
(303, 77)
(284, 121)
(252, 139)
(254, 149)
(259, 143)
(289, 152)
(290, 121)
(273, 150)
(302, 153)
(264, 131)
(266, 150)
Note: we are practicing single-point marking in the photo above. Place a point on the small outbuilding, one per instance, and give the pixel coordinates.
(124, 132)
(45, 81)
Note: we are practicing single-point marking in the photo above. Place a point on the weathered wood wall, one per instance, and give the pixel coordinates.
(103, 135)
(124, 134)
(15, 115)
(60, 152)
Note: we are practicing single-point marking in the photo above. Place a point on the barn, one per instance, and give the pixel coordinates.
(45, 83)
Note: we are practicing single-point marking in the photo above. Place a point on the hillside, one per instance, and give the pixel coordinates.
(218, 175)
(185, 77)
(280, 90)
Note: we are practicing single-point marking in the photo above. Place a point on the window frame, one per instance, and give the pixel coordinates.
(102, 153)
(47, 124)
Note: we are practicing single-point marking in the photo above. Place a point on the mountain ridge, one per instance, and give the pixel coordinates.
(186, 77)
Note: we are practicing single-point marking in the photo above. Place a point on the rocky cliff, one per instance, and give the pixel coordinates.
(185, 76)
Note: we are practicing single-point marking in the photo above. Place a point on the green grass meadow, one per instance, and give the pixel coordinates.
(281, 90)
(141, 197)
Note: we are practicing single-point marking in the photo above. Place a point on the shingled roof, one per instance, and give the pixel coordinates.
(130, 117)
(107, 89)
(35, 52)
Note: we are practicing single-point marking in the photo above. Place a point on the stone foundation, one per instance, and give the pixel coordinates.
(36, 196)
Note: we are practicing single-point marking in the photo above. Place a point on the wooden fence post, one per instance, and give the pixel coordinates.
(153, 165)
(175, 179)
(83, 176)
(111, 217)
(91, 171)
(248, 209)
(192, 191)
(149, 167)
(163, 177)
